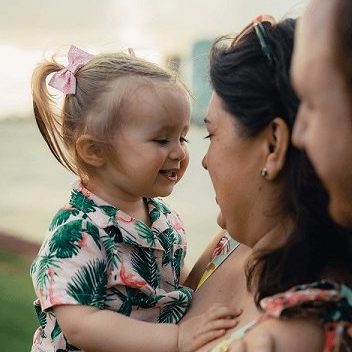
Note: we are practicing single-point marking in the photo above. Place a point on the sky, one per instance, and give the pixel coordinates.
(36, 29)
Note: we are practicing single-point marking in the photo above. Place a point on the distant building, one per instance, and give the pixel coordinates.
(200, 79)
(194, 70)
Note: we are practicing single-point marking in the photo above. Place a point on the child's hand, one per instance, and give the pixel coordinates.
(196, 332)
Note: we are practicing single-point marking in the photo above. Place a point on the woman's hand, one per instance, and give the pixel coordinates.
(197, 331)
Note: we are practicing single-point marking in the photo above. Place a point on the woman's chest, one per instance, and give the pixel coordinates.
(226, 285)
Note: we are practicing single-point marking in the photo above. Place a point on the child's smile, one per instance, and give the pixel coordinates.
(171, 174)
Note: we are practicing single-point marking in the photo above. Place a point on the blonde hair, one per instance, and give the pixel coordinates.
(93, 108)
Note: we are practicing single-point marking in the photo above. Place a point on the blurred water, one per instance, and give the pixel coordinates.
(33, 186)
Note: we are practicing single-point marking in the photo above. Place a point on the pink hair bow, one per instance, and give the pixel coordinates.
(65, 80)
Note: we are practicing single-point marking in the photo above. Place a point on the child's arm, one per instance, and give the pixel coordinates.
(97, 330)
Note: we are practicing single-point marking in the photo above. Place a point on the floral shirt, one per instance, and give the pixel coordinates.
(99, 256)
(326, 301)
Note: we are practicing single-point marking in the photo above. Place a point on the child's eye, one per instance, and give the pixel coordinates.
(161, 141)
(184, 140)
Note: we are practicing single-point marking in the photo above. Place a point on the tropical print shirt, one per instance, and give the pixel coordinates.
(97, 255)
(328, 302)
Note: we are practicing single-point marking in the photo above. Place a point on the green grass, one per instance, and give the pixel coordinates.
(17, 317)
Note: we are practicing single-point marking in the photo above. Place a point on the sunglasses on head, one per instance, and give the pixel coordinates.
(258, 26)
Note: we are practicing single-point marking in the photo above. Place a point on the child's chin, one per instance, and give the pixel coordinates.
(161, 193)
(165, 194)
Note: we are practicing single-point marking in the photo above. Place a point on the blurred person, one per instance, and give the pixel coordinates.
(116, 251)
(283, 256)
(322, 77)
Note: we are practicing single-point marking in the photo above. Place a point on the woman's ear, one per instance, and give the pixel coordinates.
(90, 151)
(278, 142)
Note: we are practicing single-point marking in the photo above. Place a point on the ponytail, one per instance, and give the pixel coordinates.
(48, 121)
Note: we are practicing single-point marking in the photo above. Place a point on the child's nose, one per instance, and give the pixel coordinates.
(178, 152)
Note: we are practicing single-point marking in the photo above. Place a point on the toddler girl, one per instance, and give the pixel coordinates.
(115, 251)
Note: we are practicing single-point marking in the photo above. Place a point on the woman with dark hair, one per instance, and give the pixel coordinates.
(271, 202)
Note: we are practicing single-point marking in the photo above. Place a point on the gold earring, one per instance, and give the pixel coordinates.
(263, 172)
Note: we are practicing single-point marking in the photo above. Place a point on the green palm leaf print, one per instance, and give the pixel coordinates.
(61, 217)
(56, 331)
(145, 232)
(109, 211)
(41, 266)
(126, 306)
(135, 298)
(94, 232)
(167, 239)
(177, 264)
(174, 310)
(154, 215)
(130, 241)
(114, 233)
(112, 255)
(89, 284)
(145, 264)
(140, 299)
(82, 203)
(41, 317)
(160, 206)
(64, 241)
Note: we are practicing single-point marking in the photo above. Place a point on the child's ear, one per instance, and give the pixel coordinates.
(90, 150)
(278, 141)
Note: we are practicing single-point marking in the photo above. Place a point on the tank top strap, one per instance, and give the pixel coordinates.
(223, 249)
(225, 344)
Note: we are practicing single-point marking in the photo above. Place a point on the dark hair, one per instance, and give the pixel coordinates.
(343, 39)
(255, 92)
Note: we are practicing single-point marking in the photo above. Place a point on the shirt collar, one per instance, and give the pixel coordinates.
(104, 215)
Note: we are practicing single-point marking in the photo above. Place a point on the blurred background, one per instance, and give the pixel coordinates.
(33, 186)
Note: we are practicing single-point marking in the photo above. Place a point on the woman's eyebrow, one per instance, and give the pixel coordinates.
(206, 121)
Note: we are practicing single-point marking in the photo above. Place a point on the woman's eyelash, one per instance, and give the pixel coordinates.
(208, 136)
(184, 139)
